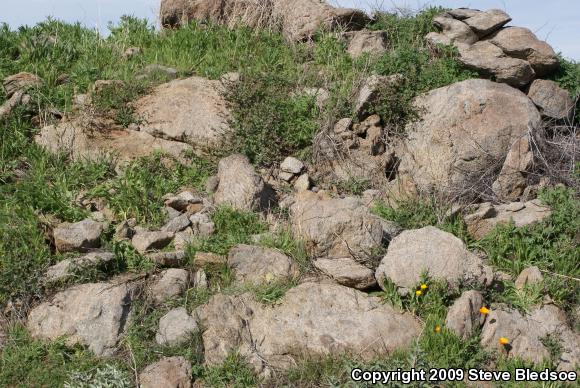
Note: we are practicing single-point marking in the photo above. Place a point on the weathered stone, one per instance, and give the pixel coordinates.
(369, 42)
(93, 314)
(124, 231)
(301, 19)
(80, 236)
(347, 272)
(464, 317)
(484, 23)
(200, 279)
(168, 372)
(463, 13)
(257, 265)
(311, 319)
(181, 201)
(175, 327)
(240, 186)
(190, 110)
(343, 125)
(168, 284)
(167, 259)
(333, 227)
(183, 239)
(292, 165)
(466, 129)
(429, 250)
(488, 216)
(490, 60)
(519, 42)
(525, 334)
(177, 224)
(20, 82)
(202, 259)
(144, 241)
(201, 224)
(83, 142)
(232, 13)
(512, 179)
(455, 30)
(552, 101)
(529, 276)
(67, 267)
(298, 20)
(302, 183)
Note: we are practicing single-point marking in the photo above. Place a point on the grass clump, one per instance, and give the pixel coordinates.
(25, 362)
(138, 191)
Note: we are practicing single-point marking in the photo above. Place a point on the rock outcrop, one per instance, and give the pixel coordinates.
(190, 110)
(93, 314)
(487, 216)
(465, 132)
(335, 227)
(527, 333)
(313, 319)
(552, 101)
(258, 265)
(298, 20)
(511, 55)
(464, 317)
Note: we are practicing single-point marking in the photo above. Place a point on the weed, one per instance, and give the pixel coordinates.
(233, 372)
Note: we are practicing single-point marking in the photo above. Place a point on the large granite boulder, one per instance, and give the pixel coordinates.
(465, 132)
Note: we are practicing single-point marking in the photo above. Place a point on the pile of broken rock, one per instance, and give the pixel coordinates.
(352, 250)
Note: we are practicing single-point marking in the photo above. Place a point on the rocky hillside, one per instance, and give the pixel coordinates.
(273, 193)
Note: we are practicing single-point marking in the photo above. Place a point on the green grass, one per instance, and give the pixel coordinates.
(271, 119)
(25, 362)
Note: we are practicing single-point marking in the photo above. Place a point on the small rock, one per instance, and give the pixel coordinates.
(155, 68)
(167, 259)
(257, 265)
(292, 165)
(80, 236)
(347, 272)
(183, 239)
(285, 176)
(487, 216)
(200, 280)
(302, 183)
(512, 179)
(175, 327)
(124, 231)
(369, 42)
(20, 82)
(440, 254)
(177, 224)
(169, 284)
(343, 125)
(484, 23)
(212, 183)
(202, 225)
(169, 372)
(66, 268)
(181, 201)
(529, 276)
(464, 317)
(552, 101)
(202, 259)
(239, 185)
(144, 241)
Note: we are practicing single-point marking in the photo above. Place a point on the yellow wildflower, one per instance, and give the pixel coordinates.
(418, 292)
(504, 341)
(437, 329)
(484, 310)
(423, 286)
